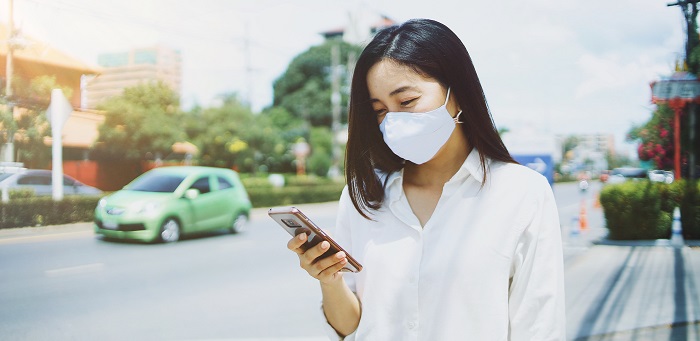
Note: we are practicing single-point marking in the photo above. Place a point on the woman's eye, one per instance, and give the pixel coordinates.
(405, 103)
(380, 112)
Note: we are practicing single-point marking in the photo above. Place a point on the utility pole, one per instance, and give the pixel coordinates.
(9, 145)
(335, 104)
(248, 67)
(8, 64)
(690, 13)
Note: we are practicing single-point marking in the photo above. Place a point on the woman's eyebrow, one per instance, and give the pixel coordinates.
(402, 89)
(396, 92)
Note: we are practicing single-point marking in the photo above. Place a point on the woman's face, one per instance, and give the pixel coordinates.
(398, 88)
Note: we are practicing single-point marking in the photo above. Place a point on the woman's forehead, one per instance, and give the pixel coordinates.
(387, 76)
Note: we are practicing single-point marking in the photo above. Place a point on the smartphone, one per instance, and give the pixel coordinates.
(296, 223)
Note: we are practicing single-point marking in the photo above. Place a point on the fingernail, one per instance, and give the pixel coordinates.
(343, 261)
(302, 236)
(340, 255)
(325, 245)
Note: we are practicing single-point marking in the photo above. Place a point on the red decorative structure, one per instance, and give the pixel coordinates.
(677, 90)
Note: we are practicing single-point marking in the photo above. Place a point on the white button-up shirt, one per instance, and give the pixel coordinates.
(488, 264)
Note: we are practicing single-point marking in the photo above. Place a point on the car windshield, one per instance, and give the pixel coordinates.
(5, 176)
(165, 183)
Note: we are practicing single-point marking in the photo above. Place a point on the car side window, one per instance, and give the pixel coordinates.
(223, 183)
(34, 180)
(202, 184)
(68, 182)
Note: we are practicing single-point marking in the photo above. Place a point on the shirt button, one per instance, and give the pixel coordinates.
(411, 325)
(411, 281)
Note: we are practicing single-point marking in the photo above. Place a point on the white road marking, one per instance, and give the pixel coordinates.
(75, 270)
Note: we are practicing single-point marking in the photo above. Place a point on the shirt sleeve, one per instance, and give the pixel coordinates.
(341, 234)
(536, 297)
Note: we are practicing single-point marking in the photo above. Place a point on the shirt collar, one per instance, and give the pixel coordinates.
(471, 166)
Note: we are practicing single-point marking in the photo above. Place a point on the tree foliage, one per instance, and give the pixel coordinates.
(142, 123)
(320, 159)
(28, 127)
(304, 90)
(231, 136)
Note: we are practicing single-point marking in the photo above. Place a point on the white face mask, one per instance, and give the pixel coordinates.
(417, 137)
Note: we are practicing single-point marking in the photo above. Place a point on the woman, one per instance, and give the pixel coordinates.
(458, 241)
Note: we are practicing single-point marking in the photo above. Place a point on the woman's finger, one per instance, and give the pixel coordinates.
(311, 254)
(295, 243)
(327, 262)
(331, 272)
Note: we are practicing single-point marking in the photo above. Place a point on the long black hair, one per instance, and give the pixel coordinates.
(431, 49)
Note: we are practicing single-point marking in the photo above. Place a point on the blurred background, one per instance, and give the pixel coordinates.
(598, 96)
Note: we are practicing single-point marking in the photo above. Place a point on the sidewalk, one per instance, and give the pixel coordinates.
(644, 291)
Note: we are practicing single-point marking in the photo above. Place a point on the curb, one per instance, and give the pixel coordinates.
(648, 243)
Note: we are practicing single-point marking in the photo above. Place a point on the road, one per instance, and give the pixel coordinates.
(63, 283)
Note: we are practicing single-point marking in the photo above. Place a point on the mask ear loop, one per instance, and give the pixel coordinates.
(456, 118)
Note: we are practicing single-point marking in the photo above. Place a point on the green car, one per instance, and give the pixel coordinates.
(165, 203)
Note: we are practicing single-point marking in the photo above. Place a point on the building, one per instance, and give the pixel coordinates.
(32, 58)
(126, 69)
(586, 151)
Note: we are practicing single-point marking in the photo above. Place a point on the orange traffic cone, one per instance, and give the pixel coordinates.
(582, 220)
(596, 201)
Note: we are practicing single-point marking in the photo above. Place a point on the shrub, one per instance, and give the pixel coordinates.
(307, 180)
(21, 193)
(639, 209)
(25, 210)
(690, 209)
(254, 182)
(319, 162)
(37, 211)
(291, 195)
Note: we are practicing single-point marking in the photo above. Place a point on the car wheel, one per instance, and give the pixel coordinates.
(239, 224)
(170, 231)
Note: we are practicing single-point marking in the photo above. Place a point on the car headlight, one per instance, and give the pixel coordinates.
(102, 203)
(146, 207)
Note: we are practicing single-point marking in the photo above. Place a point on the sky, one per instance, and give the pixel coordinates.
(550, 66)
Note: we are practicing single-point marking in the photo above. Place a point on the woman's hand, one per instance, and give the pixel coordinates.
(326, 270)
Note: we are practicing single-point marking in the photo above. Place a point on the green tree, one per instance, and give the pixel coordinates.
(570, 142)
(231, 136)
(304, 90)
(142, 123)
(615, 160)
(28, 127)
(320, 160)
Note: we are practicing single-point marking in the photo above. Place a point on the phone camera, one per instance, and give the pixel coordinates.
(291, 223)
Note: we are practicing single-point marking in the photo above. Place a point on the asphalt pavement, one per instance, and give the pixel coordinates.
(615, 291)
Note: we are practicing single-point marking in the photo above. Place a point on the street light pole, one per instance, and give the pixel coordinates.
(8, 64)
(335, 109)
(9, 145)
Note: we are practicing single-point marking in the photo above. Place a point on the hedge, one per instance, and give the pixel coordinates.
(289, 195)
(38, 211)
(690, 209)
(25, 210)
(640, 209)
